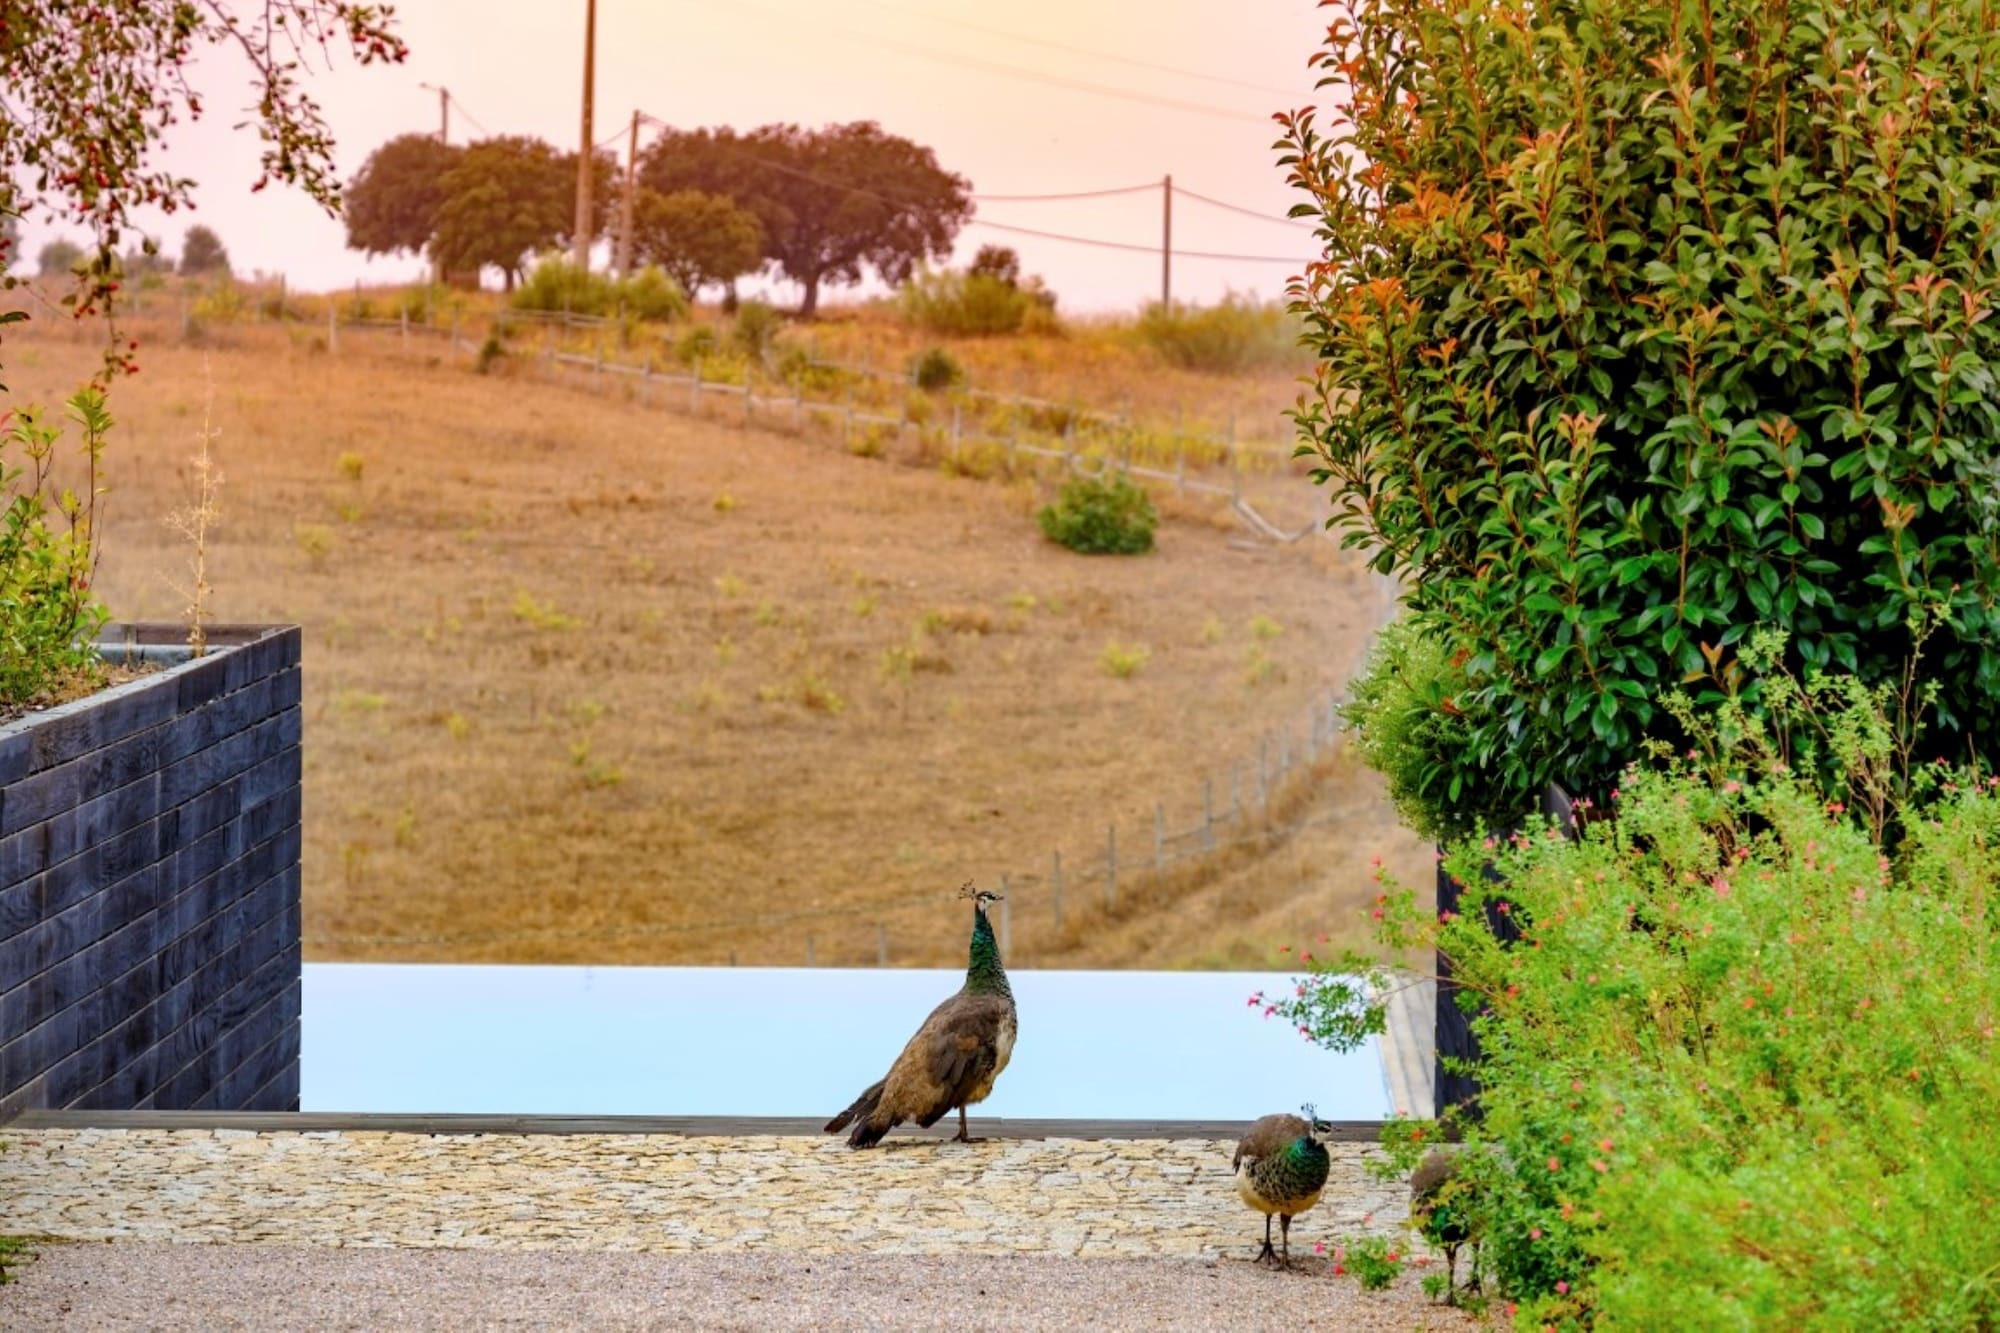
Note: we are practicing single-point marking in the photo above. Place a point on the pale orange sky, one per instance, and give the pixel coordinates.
(913, 65)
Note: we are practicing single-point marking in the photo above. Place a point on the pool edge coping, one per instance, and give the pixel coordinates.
(305, 1122)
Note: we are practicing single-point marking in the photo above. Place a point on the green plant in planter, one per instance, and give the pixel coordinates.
(1644, 322)
(48, 554)
(1108, 515)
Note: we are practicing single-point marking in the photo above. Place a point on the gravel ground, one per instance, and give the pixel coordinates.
(164, 1286)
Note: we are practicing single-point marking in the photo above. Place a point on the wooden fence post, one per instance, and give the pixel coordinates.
(1055, 881)
(694, 389)
(1208, 813)
(1159, 837)
(749, 381)
(1111, 869)
(1006, 921)
(332, 326)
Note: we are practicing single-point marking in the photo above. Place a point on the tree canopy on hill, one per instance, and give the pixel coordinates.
(697, 238)
(393, 201)
(507, 198)
(202, 252)
(88, 103)
(833, 202)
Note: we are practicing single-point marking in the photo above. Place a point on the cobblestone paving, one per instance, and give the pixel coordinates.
(657, 1192)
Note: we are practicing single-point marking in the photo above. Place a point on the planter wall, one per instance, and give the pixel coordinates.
(1455, 1039)
(149, 884)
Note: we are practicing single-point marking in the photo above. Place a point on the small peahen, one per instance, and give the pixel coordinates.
(956, 1055)
(1440, 1196)
(1281, 1165)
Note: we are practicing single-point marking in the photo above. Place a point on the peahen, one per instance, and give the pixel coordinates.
(1440, 1199)
(1281, 1165)
(955, 1056)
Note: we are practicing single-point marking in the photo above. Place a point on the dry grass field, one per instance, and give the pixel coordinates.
(588, 681)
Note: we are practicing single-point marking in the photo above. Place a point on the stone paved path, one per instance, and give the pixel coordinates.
(658, 1192)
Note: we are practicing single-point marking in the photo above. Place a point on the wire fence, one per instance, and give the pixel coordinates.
(1235, 813)
(1235, 810)
(1082, 443)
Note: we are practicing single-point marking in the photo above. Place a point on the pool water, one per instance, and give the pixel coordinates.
(750, 1041)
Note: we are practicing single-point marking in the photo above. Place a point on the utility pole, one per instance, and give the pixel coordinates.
(444, 137)
(631, 196)
(1167, 245)
(587, 151)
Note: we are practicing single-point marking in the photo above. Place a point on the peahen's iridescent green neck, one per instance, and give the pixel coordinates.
(985, 976)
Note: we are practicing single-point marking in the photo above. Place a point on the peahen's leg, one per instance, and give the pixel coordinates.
(1285, 1231)
(1267, 1255)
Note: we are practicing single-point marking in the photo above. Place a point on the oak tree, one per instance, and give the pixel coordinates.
(696, 238)
(393, 201)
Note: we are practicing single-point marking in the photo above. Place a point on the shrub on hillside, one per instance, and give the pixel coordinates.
(1237, 335)
(556, 284)
(936, 370)
(650, 294)
(1108, 515)
(987, 299)
(1640, 327)
(756, 325)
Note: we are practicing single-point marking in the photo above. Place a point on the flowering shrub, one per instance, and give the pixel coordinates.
(1741, 1064)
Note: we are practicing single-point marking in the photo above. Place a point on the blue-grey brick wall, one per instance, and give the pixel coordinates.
(149, 885)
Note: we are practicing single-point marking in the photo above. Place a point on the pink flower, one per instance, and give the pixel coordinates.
(1732, 786)
(1319, 1247)
(1720, 885)
(1270, 1009)
(1535, 1233)
(1562, 1288)
(1555, 1165)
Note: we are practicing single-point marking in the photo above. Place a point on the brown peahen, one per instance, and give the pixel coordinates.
(956, 1055)
(1281, 1165)
(1440, 1195)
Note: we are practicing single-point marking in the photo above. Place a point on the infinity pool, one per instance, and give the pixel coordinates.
(755, 1041)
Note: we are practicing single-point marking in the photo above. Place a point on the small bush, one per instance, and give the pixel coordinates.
(351, 465)
(650, 294)
(754, 327)
(697, 344)
(491, 353)
(555, 284)
(937, 370)
(1123, 660)
(965, 305)
(48, 553)
(1239, 334)
(1110, 515)
(1373, 1261)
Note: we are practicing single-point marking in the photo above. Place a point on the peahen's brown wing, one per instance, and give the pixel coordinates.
(951, 1053)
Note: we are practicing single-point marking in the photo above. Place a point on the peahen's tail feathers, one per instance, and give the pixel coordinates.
(864, 1106)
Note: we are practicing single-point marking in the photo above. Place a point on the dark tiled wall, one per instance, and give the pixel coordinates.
(149, 889)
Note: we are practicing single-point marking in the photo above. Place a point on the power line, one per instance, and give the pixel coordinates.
(1129, 246)
(1147, 188)
(1083, 50)
(996, 226)
(1015, 71)
(468, 115)
(1238, 208)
